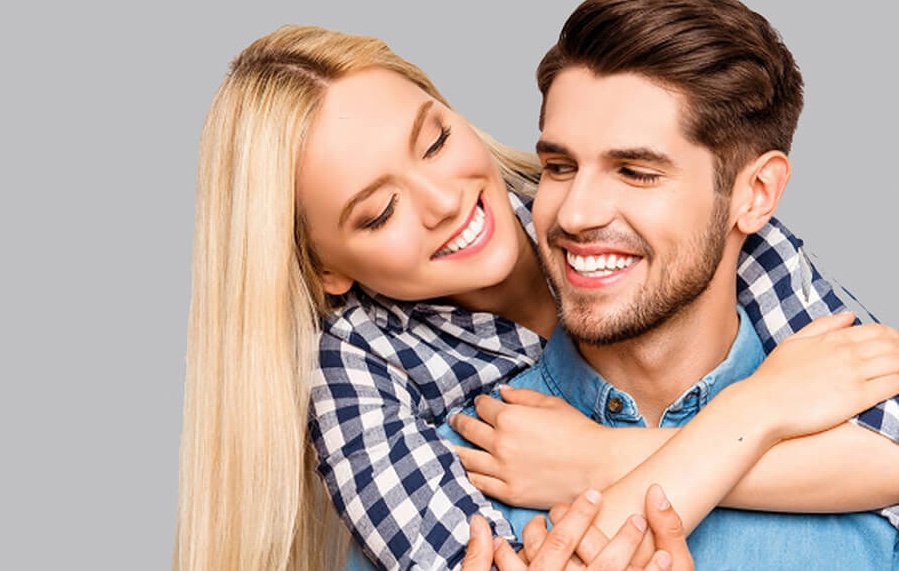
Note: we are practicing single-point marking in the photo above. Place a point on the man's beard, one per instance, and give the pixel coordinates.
(685, 278)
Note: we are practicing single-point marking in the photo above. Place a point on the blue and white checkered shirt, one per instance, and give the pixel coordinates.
(390, 371)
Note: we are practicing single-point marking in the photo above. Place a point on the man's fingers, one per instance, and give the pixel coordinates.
(533, 535)
(562, 540)
(505, 557)
(619, 551)
(593, 540)
(667, 528)
(479, 555)
(661, 561)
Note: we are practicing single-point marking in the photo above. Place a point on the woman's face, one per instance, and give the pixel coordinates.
(400, 195)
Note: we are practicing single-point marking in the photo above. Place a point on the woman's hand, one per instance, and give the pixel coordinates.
(574, 540)
(824, 374)
(521, 461)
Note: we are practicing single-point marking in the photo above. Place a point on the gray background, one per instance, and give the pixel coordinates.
(101, 111)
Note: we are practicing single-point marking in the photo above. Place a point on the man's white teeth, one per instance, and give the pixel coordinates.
(599, 265)
(469, 235)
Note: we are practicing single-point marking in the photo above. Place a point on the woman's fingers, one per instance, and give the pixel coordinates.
(473, 430)
(826, 324)
(477, 461)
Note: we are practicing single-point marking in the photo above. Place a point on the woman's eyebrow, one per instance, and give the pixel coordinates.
(360, 196)
(419, 122)
(381, 180)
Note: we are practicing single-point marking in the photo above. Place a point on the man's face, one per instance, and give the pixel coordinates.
(630, 228)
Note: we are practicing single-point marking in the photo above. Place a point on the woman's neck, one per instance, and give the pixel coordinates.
(523, 297)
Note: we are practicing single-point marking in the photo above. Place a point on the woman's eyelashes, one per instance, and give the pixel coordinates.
(382, 218)
(438, 144)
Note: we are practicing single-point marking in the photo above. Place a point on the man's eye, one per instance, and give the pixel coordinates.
(381, 218)
(438, 144)
(558, 169)
(640, 176)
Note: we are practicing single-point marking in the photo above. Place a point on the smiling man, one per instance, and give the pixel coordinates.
(665, 132)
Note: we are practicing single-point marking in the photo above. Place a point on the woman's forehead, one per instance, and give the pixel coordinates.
(361, 131)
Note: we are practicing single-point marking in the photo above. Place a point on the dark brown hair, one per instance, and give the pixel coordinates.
(743, 89)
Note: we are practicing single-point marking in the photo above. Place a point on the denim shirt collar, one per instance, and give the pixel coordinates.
(569, 376)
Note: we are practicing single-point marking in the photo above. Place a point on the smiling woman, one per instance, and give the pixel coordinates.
(364, 260)
(420, 185)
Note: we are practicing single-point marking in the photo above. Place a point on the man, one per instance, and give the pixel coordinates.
(665, 132)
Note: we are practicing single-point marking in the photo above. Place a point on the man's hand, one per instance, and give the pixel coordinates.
(572, 533)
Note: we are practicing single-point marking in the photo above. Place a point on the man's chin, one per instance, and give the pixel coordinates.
(592, 326)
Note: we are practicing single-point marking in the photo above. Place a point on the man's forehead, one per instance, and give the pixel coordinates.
(585, 112)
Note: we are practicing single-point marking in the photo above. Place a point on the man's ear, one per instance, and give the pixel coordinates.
(335, 283)
(760, 186)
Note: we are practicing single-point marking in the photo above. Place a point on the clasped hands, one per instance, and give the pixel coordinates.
(574, 543)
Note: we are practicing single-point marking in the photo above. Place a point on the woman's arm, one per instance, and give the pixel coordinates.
(396, 484)
(701, 463)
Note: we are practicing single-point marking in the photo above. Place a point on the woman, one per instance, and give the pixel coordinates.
(297, 217)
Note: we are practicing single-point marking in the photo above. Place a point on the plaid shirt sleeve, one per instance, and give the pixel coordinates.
(401, 490)
(782, 291)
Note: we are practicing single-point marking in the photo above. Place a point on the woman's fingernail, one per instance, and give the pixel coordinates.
(592, 496)
(664, 560)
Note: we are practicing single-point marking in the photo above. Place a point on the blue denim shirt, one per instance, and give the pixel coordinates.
(727, 538)
(563, 372)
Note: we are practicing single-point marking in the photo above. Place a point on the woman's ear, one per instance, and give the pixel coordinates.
(762, 184)
(335, 283)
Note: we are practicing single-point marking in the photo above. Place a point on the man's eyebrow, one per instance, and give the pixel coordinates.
(360, 196)
(544, 146)
(644, 154)
(419, 121)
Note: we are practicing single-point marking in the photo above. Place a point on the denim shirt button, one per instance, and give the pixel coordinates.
(615, 405)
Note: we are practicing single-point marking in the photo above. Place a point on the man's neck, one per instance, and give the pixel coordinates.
(658, 366)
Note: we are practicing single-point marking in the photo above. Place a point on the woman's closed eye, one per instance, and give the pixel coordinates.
(438, 143)
(382, 218)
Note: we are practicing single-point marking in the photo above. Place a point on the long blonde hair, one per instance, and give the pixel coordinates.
(249, 497)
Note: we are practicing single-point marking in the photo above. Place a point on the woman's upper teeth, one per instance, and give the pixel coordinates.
(471, 232)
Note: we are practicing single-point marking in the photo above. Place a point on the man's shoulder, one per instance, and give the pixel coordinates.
(532, 378)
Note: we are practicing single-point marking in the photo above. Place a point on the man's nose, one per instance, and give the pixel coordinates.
(589, 203)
